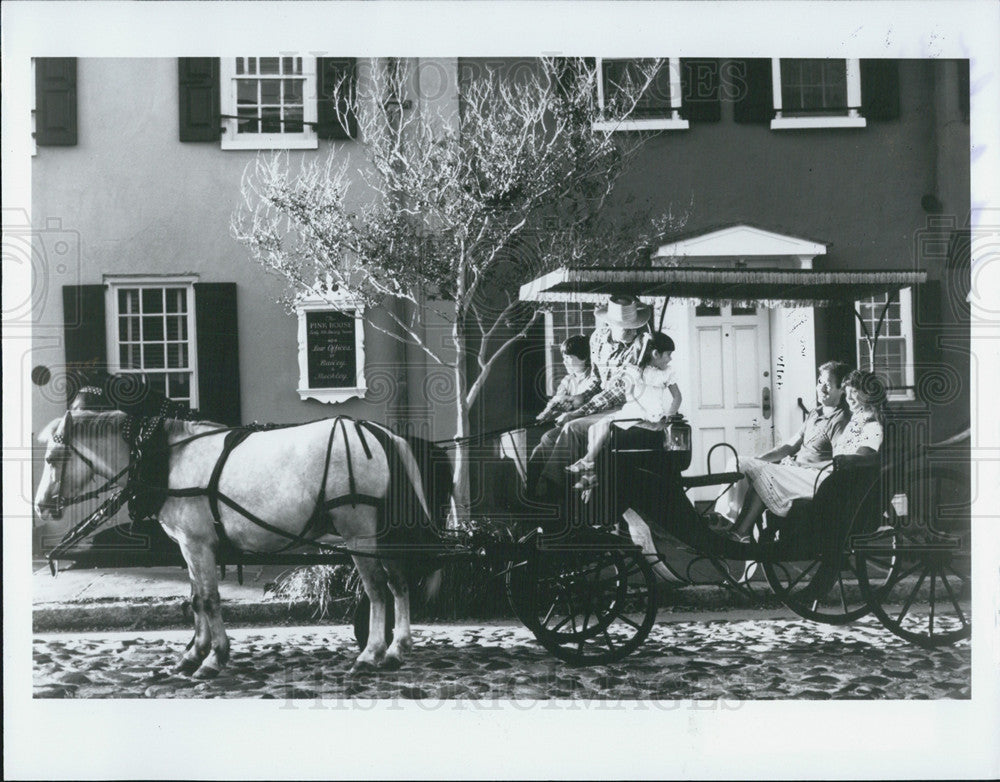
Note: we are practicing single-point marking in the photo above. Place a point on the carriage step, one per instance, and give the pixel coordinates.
(690, 481)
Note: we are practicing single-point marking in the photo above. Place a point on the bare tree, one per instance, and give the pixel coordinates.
(458, 210)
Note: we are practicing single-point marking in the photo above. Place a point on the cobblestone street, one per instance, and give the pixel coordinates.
(727, 656)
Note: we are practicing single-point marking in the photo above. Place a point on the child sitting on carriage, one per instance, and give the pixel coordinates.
(652, 398)
(580, 382)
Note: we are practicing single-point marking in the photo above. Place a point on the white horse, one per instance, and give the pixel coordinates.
(327, 480)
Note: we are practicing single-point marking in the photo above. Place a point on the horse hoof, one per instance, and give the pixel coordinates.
(187, 665)
(363, 666)
(206, 672)
(392, 663)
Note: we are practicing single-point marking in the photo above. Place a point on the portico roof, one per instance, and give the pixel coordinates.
(768, 287)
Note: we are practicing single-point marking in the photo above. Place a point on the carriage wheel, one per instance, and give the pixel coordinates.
(586, 606)
(927, 601)
(822, 589)
(362, 617)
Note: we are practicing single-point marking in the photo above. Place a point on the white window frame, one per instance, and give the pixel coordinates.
(34, 109)
(231, 139)
(673, 122)
(333, 302)
(906, 334)
(850, 119)
(113, 285)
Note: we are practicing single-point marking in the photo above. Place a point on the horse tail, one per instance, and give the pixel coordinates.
(431, 473)
(416, 505)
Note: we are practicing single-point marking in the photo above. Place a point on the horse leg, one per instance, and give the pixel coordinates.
(402, 640)
(200, 557)
(373, 578)
(197, 650)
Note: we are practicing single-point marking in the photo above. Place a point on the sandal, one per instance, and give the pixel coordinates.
(580, 465)
(587, 481)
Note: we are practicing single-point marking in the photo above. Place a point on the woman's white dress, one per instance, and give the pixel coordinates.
(779, 484)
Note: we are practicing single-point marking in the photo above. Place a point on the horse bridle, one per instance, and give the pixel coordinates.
(65, 440)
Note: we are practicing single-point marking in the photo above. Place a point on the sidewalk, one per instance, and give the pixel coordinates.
(157, 597)
(153, 597)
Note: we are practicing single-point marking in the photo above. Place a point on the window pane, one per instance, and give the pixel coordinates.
(270, 120)
(152, 300)
(177, 355)
(246, 91)
(128, 300)
(179, 385)
(152, 355)
(744, 310)
(293, 120)
(176, 300)
(813, 85)
(152, 328)
(293, 90)
(239, 65)
(623, 77)
(157, 381)
(268, 65)
(270, 92)
(251, 65)
(248, 120)
(177, 327)
(704, 311)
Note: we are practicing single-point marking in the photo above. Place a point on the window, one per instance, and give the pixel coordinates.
(894, 351)
(565, 320)
(151, 331)
(810, 93)
(658, 108)
(269, 102)
(331, 340)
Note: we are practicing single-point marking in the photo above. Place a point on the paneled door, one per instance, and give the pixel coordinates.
(730, 385)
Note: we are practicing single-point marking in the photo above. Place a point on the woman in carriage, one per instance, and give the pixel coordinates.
(776, 486)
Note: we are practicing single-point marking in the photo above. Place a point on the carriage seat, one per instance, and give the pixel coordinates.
(846, 502)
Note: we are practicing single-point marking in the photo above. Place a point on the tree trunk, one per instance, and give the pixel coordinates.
(460, 498)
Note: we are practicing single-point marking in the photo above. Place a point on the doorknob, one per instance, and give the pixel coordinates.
(765, 402)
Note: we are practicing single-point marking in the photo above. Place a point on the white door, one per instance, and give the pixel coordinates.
(731, 385)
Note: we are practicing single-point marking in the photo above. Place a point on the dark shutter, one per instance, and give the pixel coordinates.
(85, 335)
(55, 101)
(880, 89)
(700, 90)
(200, 115)
(963, 89)
(218, 352)
(330, 71)
(754, 93)
(835, 336)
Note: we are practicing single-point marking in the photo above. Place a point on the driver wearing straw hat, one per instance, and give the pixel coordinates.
(615, 347)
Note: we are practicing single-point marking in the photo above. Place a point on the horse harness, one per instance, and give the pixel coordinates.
(316, 524)
(139, 434)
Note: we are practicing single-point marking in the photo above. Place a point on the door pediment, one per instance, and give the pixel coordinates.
(740, 245)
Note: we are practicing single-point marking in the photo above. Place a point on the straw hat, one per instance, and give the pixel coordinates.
(626, 312)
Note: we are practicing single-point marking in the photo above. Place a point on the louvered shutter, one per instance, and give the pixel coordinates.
(755, 96)
(85, 335)
(55, 102)
(880, 89)
(329, 72)
(700, 90)
(218, 352)
(199, 94)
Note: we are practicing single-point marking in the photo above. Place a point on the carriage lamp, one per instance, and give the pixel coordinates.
(677, 440)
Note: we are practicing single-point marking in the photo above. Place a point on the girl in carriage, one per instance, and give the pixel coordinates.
(652, 398)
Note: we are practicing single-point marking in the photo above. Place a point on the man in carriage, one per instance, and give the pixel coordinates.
(615, 347)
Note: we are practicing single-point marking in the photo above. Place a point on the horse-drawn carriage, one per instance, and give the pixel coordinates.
(892, 539)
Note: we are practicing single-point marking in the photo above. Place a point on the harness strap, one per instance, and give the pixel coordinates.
(233, 439)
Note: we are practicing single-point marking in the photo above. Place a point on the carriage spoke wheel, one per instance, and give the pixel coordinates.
(927, 600)
(826, 588)
(586, 606)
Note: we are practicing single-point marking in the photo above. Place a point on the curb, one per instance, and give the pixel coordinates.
(176, 612)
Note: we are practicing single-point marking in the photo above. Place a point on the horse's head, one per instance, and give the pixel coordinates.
(71, 463)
